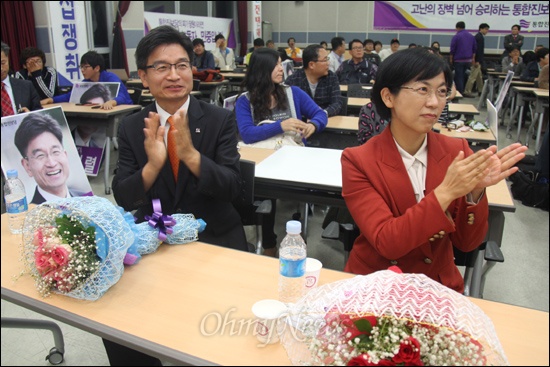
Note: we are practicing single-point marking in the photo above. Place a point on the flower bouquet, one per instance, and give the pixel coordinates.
(78, 246)
(388, 319)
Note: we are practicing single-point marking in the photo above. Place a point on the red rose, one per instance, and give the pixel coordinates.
(351, 327)
(409, 352)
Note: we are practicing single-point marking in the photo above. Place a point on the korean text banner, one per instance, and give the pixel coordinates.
(68, 20)
(532, 16)
(194, 26)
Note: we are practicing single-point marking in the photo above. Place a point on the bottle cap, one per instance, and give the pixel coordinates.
(294, 227)
(12, 173)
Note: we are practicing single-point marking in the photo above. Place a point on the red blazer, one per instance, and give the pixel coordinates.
(395, 229)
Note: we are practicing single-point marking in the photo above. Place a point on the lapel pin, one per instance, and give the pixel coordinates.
(198, 130)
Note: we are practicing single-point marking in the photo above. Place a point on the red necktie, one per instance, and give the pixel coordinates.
(7, 109)
(172, 149)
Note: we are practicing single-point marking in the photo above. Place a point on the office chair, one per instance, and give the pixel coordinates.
(475, 272)
(344, 109)
(135, 94)
(55, 356)
(359, 90)
(251, 210)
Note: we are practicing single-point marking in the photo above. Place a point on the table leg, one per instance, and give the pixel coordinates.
(539, 132)
(520, 121)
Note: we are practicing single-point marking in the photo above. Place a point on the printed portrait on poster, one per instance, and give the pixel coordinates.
(40, 147)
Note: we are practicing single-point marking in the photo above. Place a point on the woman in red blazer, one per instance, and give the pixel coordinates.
(412, 192)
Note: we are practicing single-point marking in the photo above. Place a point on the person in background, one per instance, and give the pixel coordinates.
(39, 139)
(324, 44)
(268, 98)
(258, 42)
(336, 56)
(412, 45)
(92, 66)
(408, 173)
(513, 40)
(462, 54)
(532, 70)
(44, 78)
(477, 69)
(370, 55)
(527, 57)
(17, 95)
(224, 57)
(292, 51)
(543, 77)
(377, 47)
(317, 80)
(357, 70)
(203, 59)
(270, 44)
(512, 61)
(394, 47)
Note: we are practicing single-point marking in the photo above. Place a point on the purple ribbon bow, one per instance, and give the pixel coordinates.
(158, 220)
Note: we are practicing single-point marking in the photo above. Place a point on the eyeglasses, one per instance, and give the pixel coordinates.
(84, 67)
(322, 60)
(427, 92)
(162, 68)
(356, 48)
(41, 156)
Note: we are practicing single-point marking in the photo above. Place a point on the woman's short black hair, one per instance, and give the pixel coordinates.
(403, 67)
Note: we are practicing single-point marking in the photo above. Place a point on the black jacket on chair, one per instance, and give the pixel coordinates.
(213, 132)
(25, 95)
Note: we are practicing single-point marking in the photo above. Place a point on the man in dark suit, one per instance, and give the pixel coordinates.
(17, 95)
(205, 178)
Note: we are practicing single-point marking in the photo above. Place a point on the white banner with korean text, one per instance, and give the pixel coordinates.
(194, 26)
(68, 27)
(431, 16)
(256, 19)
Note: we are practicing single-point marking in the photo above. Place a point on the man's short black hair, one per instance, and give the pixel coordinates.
(218, 36)
(259, 42)
(162, 35)
(93, 59)
(394, 40)
(290, 38)
(541, 53)
(367, 41)
(32, 126)
(310, 53)
(336, 42)
(460, 25)
(198, 41)
(96, 91)
(484, 26)
(29, 52)
(516, 26)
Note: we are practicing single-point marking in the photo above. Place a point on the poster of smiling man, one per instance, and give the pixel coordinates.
(40, 147)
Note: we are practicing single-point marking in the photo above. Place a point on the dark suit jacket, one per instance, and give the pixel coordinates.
(25, 95)
(39, 199)
(214, 135)
(395, 229)
(510, 42)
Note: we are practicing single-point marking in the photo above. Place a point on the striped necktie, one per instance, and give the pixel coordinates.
(172, 149)
(7, 109)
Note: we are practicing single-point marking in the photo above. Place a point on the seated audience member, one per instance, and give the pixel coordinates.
(527, 57)
(269, 99)
(412, 45)
(336, 56)
(543, 77)
(203, 59)
(292, 51)
(92, 66)
(408, 173)
(258, 42)
(377, 47)
(394, 47)
(317, 80)
(370, 55)
(270, 44)
(39, 139)
(17, 95)
(44, 78)
(324, 44)
(532, 70)
(511, 61)
(357, 70)
(223, 56)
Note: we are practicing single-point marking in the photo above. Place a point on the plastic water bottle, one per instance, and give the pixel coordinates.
(292, 263)
(16, 202)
